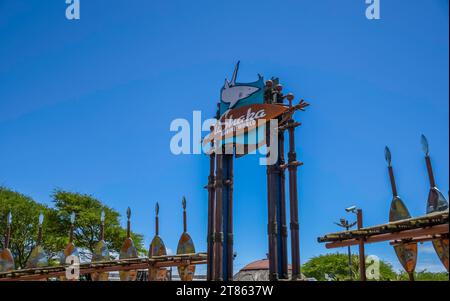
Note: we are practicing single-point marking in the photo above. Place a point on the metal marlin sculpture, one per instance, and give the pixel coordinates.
(128, 250)
(38, 257)
(6, 258)
(101, 251)
(157, 248)
(436, 202)
(406, 252)
(185, 246)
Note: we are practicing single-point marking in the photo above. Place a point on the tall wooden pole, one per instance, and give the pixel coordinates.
(362, 256)
(228, 217)
(282, 228)
(272, 228)
(293, 197)
(211, 212)
(218, 239)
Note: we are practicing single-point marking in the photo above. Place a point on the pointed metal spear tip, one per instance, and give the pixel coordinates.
(425, 146)
(41, 219)
(128, 213)
(183, 202)
(9, 218)
(157, 208)
(102, 216)
(72, 217)
(387, 155)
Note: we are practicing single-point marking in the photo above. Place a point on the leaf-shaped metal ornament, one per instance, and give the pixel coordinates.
(437, 202)
(183, 202)
(387, 155)
(101, 253)
(425, 146)
(406, 253)
(128, 213)
(186, 246)
(157, 208)
(6, 261)
(157, 248)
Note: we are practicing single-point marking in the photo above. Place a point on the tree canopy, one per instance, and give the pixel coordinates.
(335, 267)
(24, 227)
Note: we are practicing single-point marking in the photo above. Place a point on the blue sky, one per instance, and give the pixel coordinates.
(86, 106)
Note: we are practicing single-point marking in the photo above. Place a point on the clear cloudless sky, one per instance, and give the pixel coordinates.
(86, 106)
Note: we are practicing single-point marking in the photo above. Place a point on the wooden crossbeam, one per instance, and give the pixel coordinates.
(106, 266)
(430, 220)
(407, 234)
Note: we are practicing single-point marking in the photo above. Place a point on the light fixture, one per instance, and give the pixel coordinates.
(351, 209)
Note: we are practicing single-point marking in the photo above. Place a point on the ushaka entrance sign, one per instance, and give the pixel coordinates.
(243, 114)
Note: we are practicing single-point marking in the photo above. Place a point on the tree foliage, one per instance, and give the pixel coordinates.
(87, 210)
(335, 267)
(426, 276)
(25, 212)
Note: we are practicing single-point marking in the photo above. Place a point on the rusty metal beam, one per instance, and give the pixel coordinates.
(407, 234)
(107, 266)
(418, 239)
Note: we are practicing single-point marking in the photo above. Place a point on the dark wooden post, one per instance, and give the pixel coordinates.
(272, 228)
(293, 197)
(282, 229)
(211, 212)
(218, 239)
(362, 257)
(228, 217)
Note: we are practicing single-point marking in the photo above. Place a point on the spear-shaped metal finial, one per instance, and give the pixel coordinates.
(40, 222)
(157, 218)
(426, 150)
(41, 219)
(8, 229)
(387, 155)
(9, 219)
(128, 222)
(425, 145)
(102, 225)
(72, 222)
(184, 214)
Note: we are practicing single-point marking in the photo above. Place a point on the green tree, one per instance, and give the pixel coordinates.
(24, 226)
(335, 266)
(25, 212)
(426, 276)
(87, 225)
